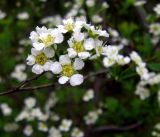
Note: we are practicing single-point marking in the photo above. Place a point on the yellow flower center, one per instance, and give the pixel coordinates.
(99, 49)
(49, 40)
(69, 26)
(67, 70)
(41, 59)
(78, 47)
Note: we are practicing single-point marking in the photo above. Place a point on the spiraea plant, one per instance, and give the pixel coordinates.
(88, 68)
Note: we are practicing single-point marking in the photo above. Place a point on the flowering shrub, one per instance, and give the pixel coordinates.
(94, 63)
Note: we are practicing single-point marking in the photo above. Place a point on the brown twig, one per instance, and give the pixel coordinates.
(117, 128)
(21, 87)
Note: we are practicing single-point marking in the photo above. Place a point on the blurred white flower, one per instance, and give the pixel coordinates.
(142, 92)
(90, 3)
(105, 5)
(52, 20)
(2, 14)
(19, 73)
(42, 127)
(121, 60)
(157, 9)
(154, 28)
(30, 102)
(10, 127)
(65, 125)
(139, 3)
(23, 15)
(142, 71)
(28, 130)
(76, 132)
(88, 95)
(53, 132)
(6, 110)
(92, 116)
(136, 58)
(97, 19)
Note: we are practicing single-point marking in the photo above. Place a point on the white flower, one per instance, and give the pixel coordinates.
(23, 115)
(2, 14)
(67, 69)
(30, 102)
(18, 73)
(40, 60)
(121, 60)
(90, 3)
(107, 62)
(157, 9)
(154, 79)
(110, 51)
(89, 44)
(43, 37)
(10, 127)
(23, 16)
(97, 19)
(6, 110)
(155, 29)
(139, 3)
(53, 132)
(52, 20)
(36, 113)
(105, 5)
(113, 33)
(142, 92)
(92, 116)
(70, 25)
(96, 32)
(25, 42)
(80, 47)
(136, 58)
(28, 130)
(76, 132)
(65, 125)
(88, 95)
(42, 127)
(142, 71)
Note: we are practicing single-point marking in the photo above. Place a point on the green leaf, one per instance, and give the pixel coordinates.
(154, 66)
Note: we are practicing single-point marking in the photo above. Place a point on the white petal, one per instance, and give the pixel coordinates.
(47, 65)
(84, 55)
(37, 69)
(35, 52)
(78, 36)
(64, 60)
(108, 62)
(71, 52)
(56, 67)
(38, 46)
(103, 33)
(58, 36)
(127, 60)
(63, 79)
(33, 36)
(49, 52)
(62, 29)
(76, 79)
(30, 60)
(78, 64)
(89, 44)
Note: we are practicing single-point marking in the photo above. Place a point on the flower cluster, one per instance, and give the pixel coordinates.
(65, 56)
